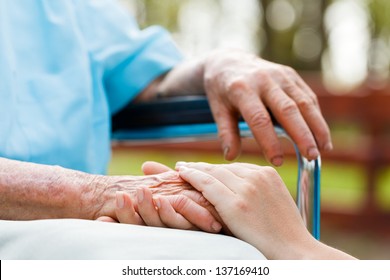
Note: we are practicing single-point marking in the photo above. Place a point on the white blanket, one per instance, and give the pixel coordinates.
(81, 239)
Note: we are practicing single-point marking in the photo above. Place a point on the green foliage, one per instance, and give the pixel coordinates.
(380, 16)
(157, 12)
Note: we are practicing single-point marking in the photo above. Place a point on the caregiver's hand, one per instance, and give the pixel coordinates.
(253, 201)
(256, 206)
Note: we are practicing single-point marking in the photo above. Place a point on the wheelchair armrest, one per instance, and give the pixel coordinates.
(163, 112)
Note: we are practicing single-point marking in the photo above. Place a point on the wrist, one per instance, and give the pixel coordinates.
(186, 78)
(95, 198)
(312, 249)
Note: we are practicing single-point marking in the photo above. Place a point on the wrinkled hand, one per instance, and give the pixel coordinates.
(240, 83)
(180, 205)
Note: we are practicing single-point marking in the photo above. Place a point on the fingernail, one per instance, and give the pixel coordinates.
(120, 200)
(140, 195)
(226, 151)
(183, 168)
(157, 202)
(216, 226)
(313, 152)
(277, 161)
(328, 147)
(180, 163)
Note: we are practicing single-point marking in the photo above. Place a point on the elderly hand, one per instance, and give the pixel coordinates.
(240, 83)
(186, 207)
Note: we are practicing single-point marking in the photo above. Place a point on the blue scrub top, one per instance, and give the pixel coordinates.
(65, 67)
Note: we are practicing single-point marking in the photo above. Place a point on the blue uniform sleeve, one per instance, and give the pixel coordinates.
(128, 58)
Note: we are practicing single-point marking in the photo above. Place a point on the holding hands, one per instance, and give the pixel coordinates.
(252, 202)
(179, 204)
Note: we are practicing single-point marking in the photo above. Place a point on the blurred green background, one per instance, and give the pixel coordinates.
(342, 49)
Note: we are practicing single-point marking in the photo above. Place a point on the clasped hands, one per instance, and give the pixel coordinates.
(238, 198)
(162, 198)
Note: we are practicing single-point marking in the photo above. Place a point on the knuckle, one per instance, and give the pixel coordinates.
(241, 205)
(210, 168)
(288, 107)
(262, 75)
(306, 103)
(181, 202)
(290, 71)
(269, 171)
(224, 134)
(289, 87)
(314, 98)
(250, 188)
(208, 81)
(273, 89)
(259, 119)
(203, 201)
(236, 86)
(208, 180)
(263, 173)
(308, 136)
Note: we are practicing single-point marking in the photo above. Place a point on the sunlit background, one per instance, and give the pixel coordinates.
(342, 49)
(347, 39)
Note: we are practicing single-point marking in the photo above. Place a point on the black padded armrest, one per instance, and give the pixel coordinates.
(166, 111)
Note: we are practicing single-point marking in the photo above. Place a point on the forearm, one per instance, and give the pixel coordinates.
(35, 191)
(307, 248)
(325, 252)
(184, 79)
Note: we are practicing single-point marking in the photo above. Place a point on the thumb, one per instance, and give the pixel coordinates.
(152, 167)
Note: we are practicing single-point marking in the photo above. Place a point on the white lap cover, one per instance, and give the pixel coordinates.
(81, 239)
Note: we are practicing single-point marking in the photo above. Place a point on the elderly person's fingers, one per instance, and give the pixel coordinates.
(147, 209)
(296, 107)
(307, 103)
(201, 203)
(125, 211)
(237, 82)
(176, 211)
(194, 213)
(259, 120)
(170, 217)
(106, 219)
(228, 131)
(287, 112)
